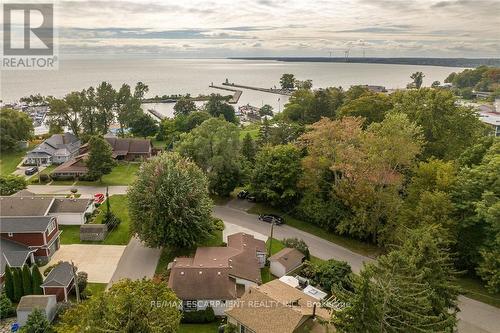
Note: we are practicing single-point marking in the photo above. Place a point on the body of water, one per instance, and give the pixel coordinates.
(181, 76)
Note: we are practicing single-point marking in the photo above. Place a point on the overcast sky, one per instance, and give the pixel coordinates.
(219, 28)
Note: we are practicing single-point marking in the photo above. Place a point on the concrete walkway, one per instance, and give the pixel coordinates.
(138, 261)
(85, 191)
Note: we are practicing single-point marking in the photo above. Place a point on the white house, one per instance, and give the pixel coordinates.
(57, 149)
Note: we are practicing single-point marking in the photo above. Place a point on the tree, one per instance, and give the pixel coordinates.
(327, 274)
(266, 110)
(37, 323)
(36, 280)
(26, 276)
(448, 128)
(306, 84)
(298, 244)
(287, 81)
(9, 283)
(248, 149)
(276, 173)
(372, 107)
(15, 126)
(184, 106)
(128, 306)
(284, 132)
(418, 78)
(435, 84)
(143, 125)
(217, 106)
(128, 107)
(100, 160)
(89, 115)
(173, 191)
(6, 309)
(11, 184)
(18, 284)
(105, 99)
(214, 147)
(264, 133)
(307, 106)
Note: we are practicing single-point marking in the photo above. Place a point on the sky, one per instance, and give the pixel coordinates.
(239, 28)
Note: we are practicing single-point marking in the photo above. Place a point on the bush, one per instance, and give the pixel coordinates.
(328, 273)
(44, 178)
(11, 184)
(218, 224)
(298, 244)
(6, 309)
(199, 316)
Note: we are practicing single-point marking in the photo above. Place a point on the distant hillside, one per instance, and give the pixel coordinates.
(447, 62)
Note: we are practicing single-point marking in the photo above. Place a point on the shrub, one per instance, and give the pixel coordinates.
(218, 224)
(36, 280)
(81, 279)
(44, 177)
(298, 244)
(328, 273)
(199, 316)
(230, 328)
(6, 309)
(11, 184)
(37, 323)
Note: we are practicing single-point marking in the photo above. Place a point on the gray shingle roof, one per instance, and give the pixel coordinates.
(24, 206)
(58, 144)
(59, 276)
(25, 223)
(13, 253)
(67, 205)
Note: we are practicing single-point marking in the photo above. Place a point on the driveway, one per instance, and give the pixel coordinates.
(137, 261)
(85, 191)
(475, 317)
(99, 261)
(230, 229)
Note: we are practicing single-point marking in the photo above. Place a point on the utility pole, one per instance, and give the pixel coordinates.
(271, 239)
(73, 268)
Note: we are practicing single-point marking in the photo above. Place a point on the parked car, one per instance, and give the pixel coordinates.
(271, 218)
(251, 198)
(30, 171)
(243, 194)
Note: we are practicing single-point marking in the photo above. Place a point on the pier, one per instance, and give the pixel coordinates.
(284, 92)
(236, 96)
(156, 114)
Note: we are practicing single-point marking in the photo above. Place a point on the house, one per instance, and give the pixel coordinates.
(26, 239)
(491, 119)
(46, 303)
(73, 168)
(68, 211)
(60, 281)
(279, 308)
(57, 149)
(217, 275)
(285, 261)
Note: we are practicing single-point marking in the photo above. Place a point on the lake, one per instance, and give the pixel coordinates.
(181, 76)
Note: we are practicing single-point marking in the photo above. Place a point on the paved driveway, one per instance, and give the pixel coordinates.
(234, 228)
(85, 191)
(99, 261)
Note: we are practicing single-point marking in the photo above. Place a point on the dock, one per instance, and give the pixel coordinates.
(284, 92)
(156, 114)
(236, 93)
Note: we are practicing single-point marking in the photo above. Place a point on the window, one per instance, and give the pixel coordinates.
(52, 226)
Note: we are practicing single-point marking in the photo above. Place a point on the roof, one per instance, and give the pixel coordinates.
(14, 254)
(24, 193)
(24, 206)
(218, 267)
(290, 258)
(59, 276)
(75, 165)
(18, 224)
(30, 302)
(124, 146)
(491, 118)
(67, 205)
(58, 144)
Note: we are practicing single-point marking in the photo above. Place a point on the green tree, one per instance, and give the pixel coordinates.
(143, 125)
(184, 105)
(435, 84)
(173, 191)
(276, 173)
(37, 323)
(298, 244)
(217, 106)
(105, 99)
(9, 283)
(306, 84)
(264, 133)
(128, 306)
(18, 284)
(26, 276)
(448, 128)
(128, 105)
(100, 160)
(11, 184)
(266, 110)
(6, 309)
(372, 107)
(89, 115)
(328, 274)
(15, 126)
(307, 106)
(214, 147)
(287, 81)
(36, 280)
(418, 79)
(248, 149)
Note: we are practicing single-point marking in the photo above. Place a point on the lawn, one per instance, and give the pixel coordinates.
(10, 160)
(168, 254)
(120, 236)
(199, 328)
(159, 144)
(123, 174)
(252, 129)
(473, 288)
(96, 288)
(354, 245)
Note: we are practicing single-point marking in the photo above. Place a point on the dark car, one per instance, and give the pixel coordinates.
(31, 171)
(251, 198)
(271, 218)
(243, 194)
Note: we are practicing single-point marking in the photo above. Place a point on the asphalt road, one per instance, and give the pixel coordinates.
(475, 317)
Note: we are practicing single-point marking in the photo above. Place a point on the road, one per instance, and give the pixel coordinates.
(137, 261)
(475, 317)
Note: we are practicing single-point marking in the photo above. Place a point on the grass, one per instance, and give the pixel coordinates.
(168, 254)
(34, 179)
(199, 328)
(473, 288)
(96, 288)
(123, 174)
(120, 236)
(159, 144)
(10, 160)
(252, 129)
(354, 245)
